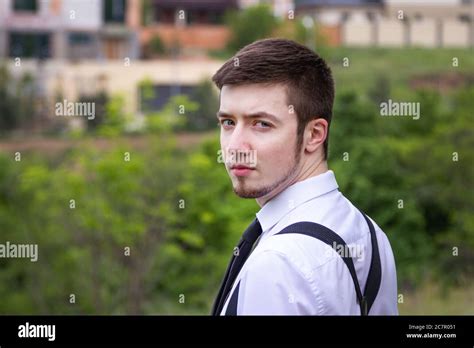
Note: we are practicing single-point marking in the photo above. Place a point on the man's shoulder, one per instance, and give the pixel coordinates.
(301, 251)
(308, 252)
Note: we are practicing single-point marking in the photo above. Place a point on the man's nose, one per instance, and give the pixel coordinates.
(239, 147)
(239, 140)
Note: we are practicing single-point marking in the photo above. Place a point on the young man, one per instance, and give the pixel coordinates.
(276, 99)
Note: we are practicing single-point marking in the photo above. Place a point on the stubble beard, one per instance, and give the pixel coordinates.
(243, 191)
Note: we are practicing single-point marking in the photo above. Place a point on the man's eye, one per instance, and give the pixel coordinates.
(227, 123)
(263, 124)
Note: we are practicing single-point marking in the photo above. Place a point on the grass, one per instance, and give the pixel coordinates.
(398, 65)
(430, 299)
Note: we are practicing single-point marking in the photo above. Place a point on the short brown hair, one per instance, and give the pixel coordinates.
(307, 77)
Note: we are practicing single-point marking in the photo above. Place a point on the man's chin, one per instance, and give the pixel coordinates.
(247, 194)
(244, 192)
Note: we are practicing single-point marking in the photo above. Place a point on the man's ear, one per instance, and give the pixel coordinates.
(315, 134)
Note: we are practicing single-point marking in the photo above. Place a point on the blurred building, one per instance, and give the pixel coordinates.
(331, 16)
(396, 23)
(67, 29)
(191, 26)
(281, 8)
(431, 23)
(89, 47)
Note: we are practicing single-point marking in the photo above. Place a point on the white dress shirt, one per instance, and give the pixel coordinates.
(295, 274)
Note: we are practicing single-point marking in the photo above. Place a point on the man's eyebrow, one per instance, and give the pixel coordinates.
(261, 114)
(220, 114)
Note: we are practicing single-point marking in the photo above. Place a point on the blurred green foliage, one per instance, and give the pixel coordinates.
(85, 211)
(176, 212)
(204, 117)
(172, 116)
(195, 112)
(115, 119)
(414, 178)
(17, 100)
(249, 25)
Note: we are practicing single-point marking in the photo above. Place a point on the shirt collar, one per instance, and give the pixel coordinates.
(293, 196)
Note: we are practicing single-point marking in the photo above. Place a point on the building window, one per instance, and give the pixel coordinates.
(82, 45)
(25, 5)
(418, 17)
(345, 16)
(192, 16)
(216, 17)
(80, 38)
(29, 45)
(165, 16)
(203, 16)
(465, 18)
(114, 11)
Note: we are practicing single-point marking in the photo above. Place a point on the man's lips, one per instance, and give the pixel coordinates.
(240, 166)
(241, 170)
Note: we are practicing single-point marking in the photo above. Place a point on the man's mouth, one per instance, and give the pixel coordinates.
(241, 170)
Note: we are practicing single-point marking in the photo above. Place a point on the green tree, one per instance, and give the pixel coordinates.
(203, 118)
(155, 47)
(17, 101)
(116, 119)
(442, 174)
(249, 25)
(100, 100)
(172, 116)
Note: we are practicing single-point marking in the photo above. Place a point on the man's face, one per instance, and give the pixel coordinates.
(258, 139)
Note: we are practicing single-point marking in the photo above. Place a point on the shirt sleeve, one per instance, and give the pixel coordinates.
(273, 285)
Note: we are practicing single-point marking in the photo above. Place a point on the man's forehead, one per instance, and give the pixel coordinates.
(253, 97)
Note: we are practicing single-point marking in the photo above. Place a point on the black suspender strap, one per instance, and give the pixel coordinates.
(331, 238)
(374, 277)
